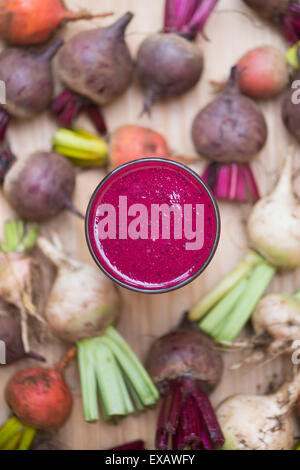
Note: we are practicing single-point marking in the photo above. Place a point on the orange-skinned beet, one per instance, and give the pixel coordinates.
(132, 142)
(40, 398)
(26, 22)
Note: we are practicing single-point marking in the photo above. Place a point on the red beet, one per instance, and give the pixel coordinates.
(185, 366)
(40, 186)
(29, 84)
(230, 129)
(170, 63)
(40, 398)
(96, 66)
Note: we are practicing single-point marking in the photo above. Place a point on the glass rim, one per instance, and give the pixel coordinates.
(186, 281)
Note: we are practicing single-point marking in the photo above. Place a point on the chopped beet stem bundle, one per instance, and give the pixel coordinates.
(68, 105)
(232, 182)
(194, 423)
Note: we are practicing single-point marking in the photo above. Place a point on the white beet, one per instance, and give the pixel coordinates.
(274, 223)
(83, 301)
(252, 422)
(278, 315)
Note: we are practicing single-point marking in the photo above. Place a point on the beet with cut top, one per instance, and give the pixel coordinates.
(185, 366)
(28, 81)
(96, 67)
(230, 131)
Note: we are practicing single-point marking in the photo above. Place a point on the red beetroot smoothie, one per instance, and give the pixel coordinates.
(152, 264)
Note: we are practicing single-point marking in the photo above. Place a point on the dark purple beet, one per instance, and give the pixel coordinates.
(170, 63)
(286, 13)
(185, 365)
(97, 66)
(40, 186)
(269, 8)
(28, 78)
(231, 128)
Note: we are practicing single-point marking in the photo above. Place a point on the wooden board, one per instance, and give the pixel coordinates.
(146, 317)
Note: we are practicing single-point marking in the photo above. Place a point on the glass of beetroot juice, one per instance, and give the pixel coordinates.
(152, 225)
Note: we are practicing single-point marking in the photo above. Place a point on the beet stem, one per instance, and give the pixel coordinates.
(66, 359)
(178, 13)
(67, 106)
(175, 408)
(257, 285)
(4, 121)
(51, 50)
(225, 286)
(97, 118)
(35, 356)
(162, 437)
(73, 210)
(200, 17)
(207, 412)
(190, 419)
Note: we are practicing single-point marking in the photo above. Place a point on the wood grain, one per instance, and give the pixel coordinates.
(232, 30)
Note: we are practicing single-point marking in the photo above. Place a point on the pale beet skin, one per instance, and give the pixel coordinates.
(97, 63)
(40, 398)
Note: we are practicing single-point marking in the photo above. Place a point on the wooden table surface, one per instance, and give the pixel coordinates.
(232, 30)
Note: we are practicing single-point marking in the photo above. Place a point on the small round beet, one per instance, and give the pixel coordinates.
(40, 398)
(40, 186)
(232, 128)
(168, 65)
(28, 78)
(97, 63)
(270, 9)
(185, 353)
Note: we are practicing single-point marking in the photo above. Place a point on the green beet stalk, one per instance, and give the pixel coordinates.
(257, 285)
(297, 295)
(27, 438)
(19, 238)
(216, 317)
(108, 366)
(8, 432)
(225, 286)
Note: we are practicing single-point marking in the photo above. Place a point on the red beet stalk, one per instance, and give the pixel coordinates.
(136, 445)
(187, 17)
(231, 182)
(4, 120)
(188, 417)
(68, 105)
(290, 23)
(6, 160)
